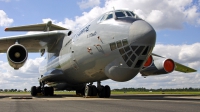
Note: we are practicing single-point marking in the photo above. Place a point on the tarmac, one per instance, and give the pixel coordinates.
(116, 103)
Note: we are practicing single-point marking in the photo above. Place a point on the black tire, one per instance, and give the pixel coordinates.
(46, 91)
(33, 91)
(38, 89)
(101, 92)
(80, 92)
(88, 90)
(107, 91)
(51, 91)
(94, 90)
(77, 92)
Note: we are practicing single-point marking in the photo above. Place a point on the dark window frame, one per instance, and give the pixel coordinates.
(119, 12)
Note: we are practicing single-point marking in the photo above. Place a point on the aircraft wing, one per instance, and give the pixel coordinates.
(37, 27)
(32, 42)
(162, 65)
(179, 67)
(182, 68)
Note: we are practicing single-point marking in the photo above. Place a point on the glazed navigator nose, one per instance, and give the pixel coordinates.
(141, 32)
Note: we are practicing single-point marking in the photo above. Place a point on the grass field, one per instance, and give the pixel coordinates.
(182, 93)
(114, 92)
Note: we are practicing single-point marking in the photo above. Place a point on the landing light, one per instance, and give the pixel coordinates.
(121, 64)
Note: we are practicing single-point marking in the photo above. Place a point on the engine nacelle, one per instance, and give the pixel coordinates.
(159, 66)
(17, 55)
(149, 61)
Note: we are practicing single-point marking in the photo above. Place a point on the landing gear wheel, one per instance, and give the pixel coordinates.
(94, 90)
(101, 92)
(51, 91)
(38, 89)
(107, 91)
(46, 91)
(33, 91)
(88, 90)
(80, 92)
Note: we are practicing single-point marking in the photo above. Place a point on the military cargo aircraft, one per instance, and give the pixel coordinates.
(117, 45)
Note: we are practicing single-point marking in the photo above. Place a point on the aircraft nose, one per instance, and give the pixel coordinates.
(142, 33)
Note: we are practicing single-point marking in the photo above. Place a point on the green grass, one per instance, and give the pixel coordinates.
(15, 93)
(64, 92)
(175, 92)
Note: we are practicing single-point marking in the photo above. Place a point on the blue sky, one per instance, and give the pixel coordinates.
(177, 26)
(30, 12)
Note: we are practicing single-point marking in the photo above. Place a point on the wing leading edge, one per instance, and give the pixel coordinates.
(37, 27)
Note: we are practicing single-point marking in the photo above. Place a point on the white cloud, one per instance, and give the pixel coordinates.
(4, 20)
(25, 77)
(192, 16)
(67, 23)
(84, 4)
(165, 14)
(79, 21)
(187, 54)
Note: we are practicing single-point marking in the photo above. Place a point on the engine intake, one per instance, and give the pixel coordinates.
(159, 66)
(17, 55)
(149, 61)
(169, 65)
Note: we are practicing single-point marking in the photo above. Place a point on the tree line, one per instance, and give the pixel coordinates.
(142, 89)
(13, 90)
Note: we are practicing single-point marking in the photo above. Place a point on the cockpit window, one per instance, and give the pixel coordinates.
(109, 16)
(120, 14)
(128, 14)
(132, 14)
(101, 18)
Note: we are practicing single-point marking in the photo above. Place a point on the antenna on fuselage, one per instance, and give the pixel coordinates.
(48, 26)
(115, 17)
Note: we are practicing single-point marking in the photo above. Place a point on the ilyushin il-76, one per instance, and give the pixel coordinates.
(117, 45)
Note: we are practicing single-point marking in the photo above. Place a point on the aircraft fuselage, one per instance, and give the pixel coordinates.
(104, 49)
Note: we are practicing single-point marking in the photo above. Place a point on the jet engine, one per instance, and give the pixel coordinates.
(17, 55)
(159, 66)
(149, 61)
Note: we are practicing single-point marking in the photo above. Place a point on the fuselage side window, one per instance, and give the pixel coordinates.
(120, 14)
